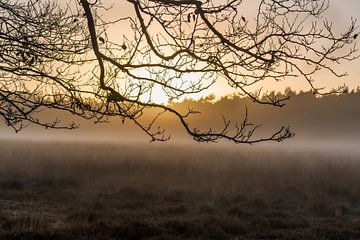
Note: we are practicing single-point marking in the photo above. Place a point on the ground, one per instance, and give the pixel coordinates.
(105, 191)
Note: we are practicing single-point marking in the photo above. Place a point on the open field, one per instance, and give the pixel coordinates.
(58, 190)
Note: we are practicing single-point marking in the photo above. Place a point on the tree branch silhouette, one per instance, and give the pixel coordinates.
(64, 59)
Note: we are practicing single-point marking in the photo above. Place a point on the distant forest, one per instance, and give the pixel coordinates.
(331, 117)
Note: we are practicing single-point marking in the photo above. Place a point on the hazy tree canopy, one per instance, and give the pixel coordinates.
(64, 58)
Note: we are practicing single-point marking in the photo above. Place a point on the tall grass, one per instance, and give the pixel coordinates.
(135, 191)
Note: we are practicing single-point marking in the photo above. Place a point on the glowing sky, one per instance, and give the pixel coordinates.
(340, 14)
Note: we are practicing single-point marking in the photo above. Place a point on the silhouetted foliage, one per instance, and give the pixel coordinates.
(64, 58)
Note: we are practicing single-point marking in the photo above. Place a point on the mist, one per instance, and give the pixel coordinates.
(107, 181)
(327, 123)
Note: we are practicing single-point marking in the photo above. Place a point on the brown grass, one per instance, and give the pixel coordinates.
(59, 190)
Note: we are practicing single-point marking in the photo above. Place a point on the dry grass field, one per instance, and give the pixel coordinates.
(103, 191)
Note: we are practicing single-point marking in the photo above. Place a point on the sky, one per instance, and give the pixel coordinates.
(340, 13)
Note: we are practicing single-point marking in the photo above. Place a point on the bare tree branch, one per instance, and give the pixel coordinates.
(62, 58)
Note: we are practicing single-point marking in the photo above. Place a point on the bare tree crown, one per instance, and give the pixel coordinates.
(63, 58)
